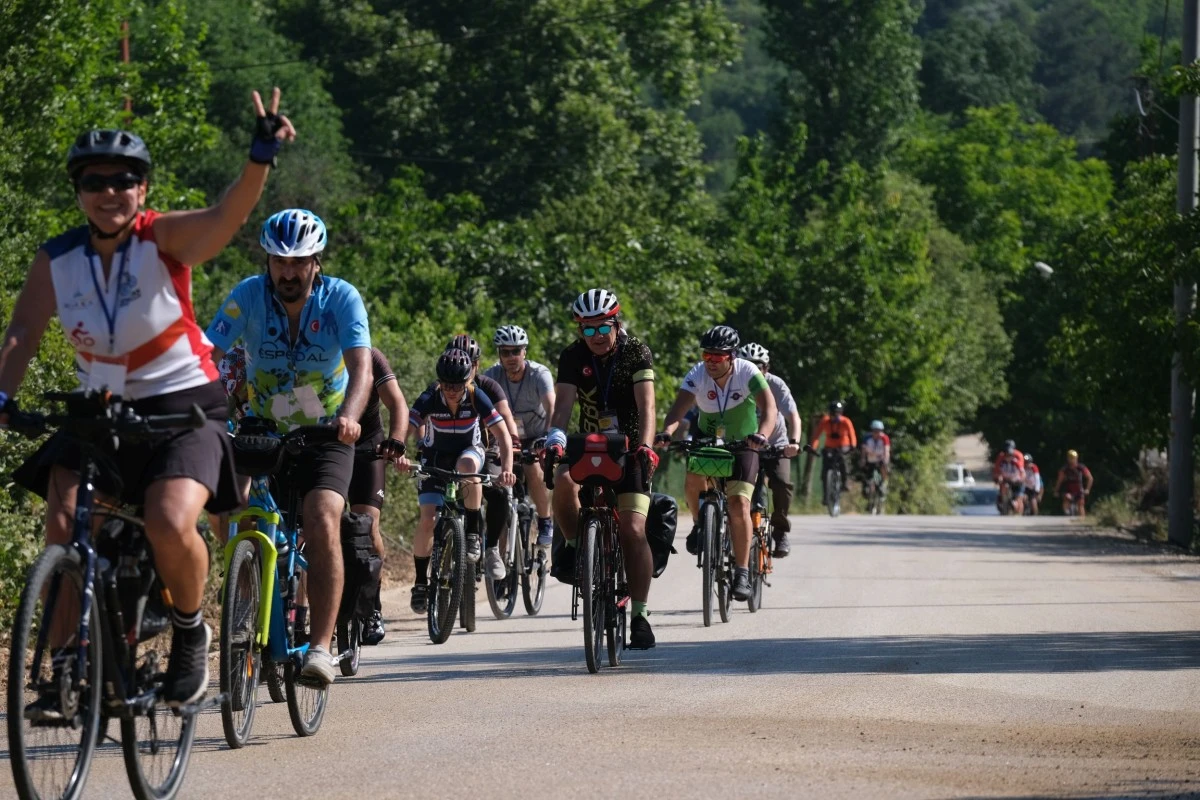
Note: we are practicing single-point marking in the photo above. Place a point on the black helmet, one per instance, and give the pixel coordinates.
(108, 145)
(454, 366)
(468, 345)
(721, 337)
(836, 407)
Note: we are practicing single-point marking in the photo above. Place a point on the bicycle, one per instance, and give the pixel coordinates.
(762, 546)
(524, 562)
(832, 461)
(264, 619)
(101, 602)
(876, 489)
(449, 594)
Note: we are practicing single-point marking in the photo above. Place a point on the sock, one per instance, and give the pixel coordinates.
(422, 565)
(544, 524)
(639, 608)
(186, 621)
(474, 520)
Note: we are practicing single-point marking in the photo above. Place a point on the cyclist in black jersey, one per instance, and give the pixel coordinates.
(611, 374)
(371, 454)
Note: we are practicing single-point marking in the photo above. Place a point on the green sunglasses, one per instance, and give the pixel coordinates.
(603, 330)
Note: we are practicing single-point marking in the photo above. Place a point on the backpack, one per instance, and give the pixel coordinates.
(362, 566)
(660, 529)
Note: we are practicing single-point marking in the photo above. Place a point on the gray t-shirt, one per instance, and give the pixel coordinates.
(785, 406)
(525, 397)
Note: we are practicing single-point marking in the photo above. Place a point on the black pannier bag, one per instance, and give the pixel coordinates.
(660, 529)
(362, 567)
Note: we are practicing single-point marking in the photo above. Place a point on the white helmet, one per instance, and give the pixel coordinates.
(595, 304)
(510, 336)
(752, 351)
(294, 233)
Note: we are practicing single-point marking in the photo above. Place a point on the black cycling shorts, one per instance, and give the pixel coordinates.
(368, 479)
(328, 465)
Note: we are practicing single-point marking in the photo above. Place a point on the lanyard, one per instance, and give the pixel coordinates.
(110, 315)
(612, 368)
(511, 403)
(722, 406)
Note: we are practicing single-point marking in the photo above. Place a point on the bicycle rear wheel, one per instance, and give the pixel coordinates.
(533, 575)
(349, 639)
(724, 572)
(158, 742)
(591, 586)
(447, 572)
(241, 666)
(52, 760)
(708, 557)
(274, 675)
(615, 628)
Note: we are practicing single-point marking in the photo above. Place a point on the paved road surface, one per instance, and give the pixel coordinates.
(896, 657)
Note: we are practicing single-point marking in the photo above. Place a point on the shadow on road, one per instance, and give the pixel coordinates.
(965, 654)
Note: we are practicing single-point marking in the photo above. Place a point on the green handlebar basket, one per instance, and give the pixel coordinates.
(711, 462)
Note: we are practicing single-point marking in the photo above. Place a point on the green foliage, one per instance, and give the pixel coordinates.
(974, 62)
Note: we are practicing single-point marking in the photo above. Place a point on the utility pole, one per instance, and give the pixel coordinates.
(1179, 502)
(125, 60)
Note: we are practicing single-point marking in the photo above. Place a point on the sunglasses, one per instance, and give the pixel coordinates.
(592, 330)
(121, 182)
(452, 387)
(717, 358)
(506, 352)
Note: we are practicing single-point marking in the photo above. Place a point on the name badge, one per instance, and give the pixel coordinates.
(608, 422)
(107, 374)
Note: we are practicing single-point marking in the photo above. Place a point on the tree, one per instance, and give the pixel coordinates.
(974, 62)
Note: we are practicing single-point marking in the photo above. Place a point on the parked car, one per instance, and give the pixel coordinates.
(976, 501)
(958, 476)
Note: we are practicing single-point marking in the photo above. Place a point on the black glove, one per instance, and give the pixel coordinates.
(550, 459)
(390, 448)
(662, 439)
(264, 146)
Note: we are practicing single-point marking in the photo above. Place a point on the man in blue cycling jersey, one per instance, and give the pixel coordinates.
(308, 362)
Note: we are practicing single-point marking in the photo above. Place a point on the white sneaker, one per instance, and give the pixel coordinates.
(494, 564)
(318, 665)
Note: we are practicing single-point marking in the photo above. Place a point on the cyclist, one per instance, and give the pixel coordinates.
(308, 361)
(785, 436)
(735, 405)
(529, 388)
(1010, 468)
(1074, 482)
(496, 510)
(371, 453)
(1034, 488)
(877, 454)
(839, 437)
(611, 374)
(121, 286)
(449, 418)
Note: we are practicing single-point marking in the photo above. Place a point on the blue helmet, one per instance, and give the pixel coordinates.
(293, 233)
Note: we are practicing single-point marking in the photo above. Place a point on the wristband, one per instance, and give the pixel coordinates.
(556, 438)
(264, 146)
(793, 441)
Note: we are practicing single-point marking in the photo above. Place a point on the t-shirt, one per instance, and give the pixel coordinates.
(837, 434)
(300, 382)
(876, 449)
(605, 385)
(727, 412)
(1033, 478)
(525, 397)
(371, 421)
(785, 405)
(449, 432)
(1010, 467)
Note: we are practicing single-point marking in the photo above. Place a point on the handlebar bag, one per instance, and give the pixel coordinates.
(597, 458)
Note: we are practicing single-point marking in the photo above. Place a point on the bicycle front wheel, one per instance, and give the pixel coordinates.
(533, 575)
(591, 586)
(466, 610)
(306, 701)
(708, 556)
(51, 743)
(833, 492)
(448, 570)
(758, 544)
(241, 666)
(157, 742)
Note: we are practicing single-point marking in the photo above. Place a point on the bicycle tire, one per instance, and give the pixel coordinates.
(349, 638)
(240, 666)
(616, 629)
(55, 559)
(274, 678)
(154, 772)
(447, 571)
(502, 594)
(708, 534)
(533, 576)
(758, 544)
(466, 609)
(833, 492)
(724, 573)
(306, 702)
(591, 587)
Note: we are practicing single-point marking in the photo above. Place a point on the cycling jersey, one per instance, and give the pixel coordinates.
(448, 432)
(877, 450)
(605, 385)
(371, 421)
(728, 412)
(837, 434)
(525, 397)
(300, 382)
(1010, 467)
(1074, 477)
(142, 314)
(1033, 478)
(785, 405)
(492, 391)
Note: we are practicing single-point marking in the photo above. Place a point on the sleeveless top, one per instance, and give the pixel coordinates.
(143, 312)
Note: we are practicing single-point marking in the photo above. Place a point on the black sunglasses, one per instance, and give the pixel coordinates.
(510, 351)
(452, 387)
(121, 182)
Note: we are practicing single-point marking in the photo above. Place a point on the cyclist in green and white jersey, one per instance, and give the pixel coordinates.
(735, 405)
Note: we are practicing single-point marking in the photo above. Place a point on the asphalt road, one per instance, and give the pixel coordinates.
(895, 657)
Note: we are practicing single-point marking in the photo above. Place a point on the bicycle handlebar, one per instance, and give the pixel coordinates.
(452, 475)
(106, 418)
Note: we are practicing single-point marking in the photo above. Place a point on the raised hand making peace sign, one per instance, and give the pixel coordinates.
(270, 131)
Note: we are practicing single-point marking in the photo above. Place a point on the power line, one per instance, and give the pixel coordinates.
(474, 162)
(504, 33)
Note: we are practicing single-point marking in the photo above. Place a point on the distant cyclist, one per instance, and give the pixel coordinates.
(1034, 488)
(840, 437)
(1074, 483)
(736, 406)
(121, 287)
(529, 387)
(877, 454)
(308, 361)
(611, 374)
(1009, 468)
(786, 436)
(449, 419)
(371, 453)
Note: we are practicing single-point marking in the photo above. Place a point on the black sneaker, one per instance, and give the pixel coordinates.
(474, 547)
(640, 635)
(562, 567)
(373, 630)
(693, 540)
(46, 710)
(782, 548)
(187, 669)
(420, 599)
(741, 585)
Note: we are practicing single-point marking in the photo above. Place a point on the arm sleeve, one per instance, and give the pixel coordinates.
(849, 427)
(229, 324)
(353, 330)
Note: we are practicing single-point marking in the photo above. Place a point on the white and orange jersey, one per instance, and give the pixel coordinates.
(141, 313)
(877, 450)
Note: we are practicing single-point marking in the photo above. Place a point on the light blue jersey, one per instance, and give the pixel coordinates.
(301, 382)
